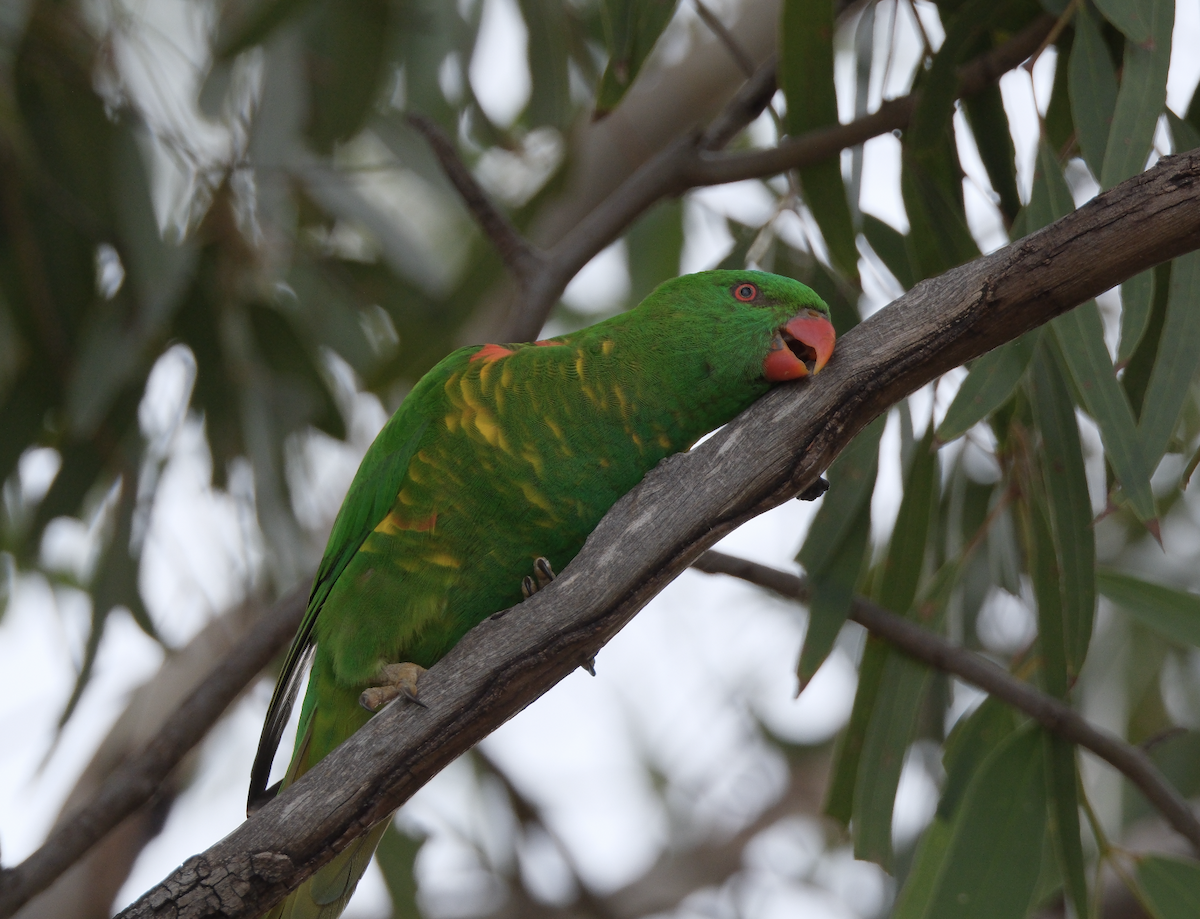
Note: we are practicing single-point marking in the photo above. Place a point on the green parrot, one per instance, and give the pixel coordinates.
(489, 478)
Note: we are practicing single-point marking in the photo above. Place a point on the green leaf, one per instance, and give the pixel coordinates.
(1142, 95)
(1137, 297)
(931, 186)
(550, 98)
(631, 27)
(889, 732)
(1184, 134)
(654, 242)
(243, 26)
(1173, 614)
(1051, 197)
(1136, 378)
(83, 461)
(1093, 89)
(396, 857)
(894, 714)
(1062, 786)
(992, 867)
(839, 801)
(23, 412)
(970, 743)
(831, 593)
(1171, 885)
(347, 46)
(930, 174)
(1080, 335)
(1069, 505)
(913, 899)
(299, 381)
(892, 248)
(989, 123)
(1177, 363)
(906, 550)
(1049, 585)
(825, 193)
(1059, 121)
(1132, 17)
(990, 383)
(833, 552)
(806, 78)
(851, 483)
(157, 271)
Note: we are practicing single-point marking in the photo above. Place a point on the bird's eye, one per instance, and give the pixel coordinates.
(745, 292)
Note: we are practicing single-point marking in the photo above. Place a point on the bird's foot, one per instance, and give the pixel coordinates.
(545, 574)
(814, 491)
(395, 680)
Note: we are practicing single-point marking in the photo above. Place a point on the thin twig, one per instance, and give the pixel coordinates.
(725, 37)
(977, 670)
(520, 257)
(746, 105)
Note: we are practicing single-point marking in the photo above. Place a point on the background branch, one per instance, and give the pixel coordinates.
(767, 455)
(690, 162)
(134, 782)
(977, 670)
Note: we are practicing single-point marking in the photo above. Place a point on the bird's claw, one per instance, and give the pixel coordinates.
(395, 680)
(815, 490)
(545, 574)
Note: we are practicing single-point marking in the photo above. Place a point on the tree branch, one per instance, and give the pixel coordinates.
(136, 780)
(770, 453)
(690, 162)
(522, 259)
(977, 670)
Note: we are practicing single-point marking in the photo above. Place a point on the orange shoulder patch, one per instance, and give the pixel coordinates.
(491, 353)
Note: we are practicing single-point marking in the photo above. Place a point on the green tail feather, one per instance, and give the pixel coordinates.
(331, 714)
(326, 893)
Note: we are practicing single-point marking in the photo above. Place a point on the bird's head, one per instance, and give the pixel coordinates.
(773, 328)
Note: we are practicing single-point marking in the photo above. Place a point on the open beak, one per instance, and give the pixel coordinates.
(801, 347)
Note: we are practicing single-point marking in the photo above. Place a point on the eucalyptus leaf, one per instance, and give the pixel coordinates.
(1093, 89)
(1068, 504)
(988, 385)
(994, 853)
(1133, 17)
(1172, 613)
(1143, 92)
(806, 78)
(1177, 363)
(1170, 885)
(1137, 297)
(1080, 335)
(631, 27)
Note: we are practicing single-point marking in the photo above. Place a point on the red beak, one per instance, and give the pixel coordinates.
(801, 347)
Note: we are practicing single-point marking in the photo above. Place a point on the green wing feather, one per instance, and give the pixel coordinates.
(368, 501)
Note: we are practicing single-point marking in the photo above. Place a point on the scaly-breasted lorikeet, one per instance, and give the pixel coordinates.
(496, 467)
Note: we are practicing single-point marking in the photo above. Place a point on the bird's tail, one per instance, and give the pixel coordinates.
(331, 713)
(326, 893)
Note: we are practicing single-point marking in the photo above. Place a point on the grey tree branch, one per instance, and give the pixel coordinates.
(769, 454)
(691, 161)
(934, 650)
(131, 784)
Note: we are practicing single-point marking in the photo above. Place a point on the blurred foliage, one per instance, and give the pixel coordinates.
(318, 232)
